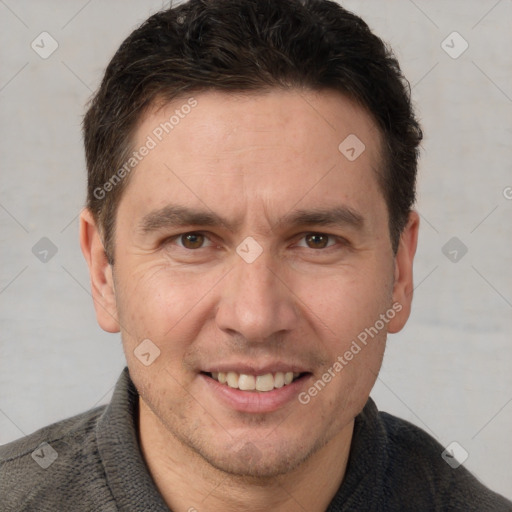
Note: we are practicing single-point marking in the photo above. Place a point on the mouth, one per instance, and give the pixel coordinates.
(256, 383)
(254, 387)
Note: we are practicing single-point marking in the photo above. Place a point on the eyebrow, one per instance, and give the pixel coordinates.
(173, 216)
(337, 216)
(176, 216)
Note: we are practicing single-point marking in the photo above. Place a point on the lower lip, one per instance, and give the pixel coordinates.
(255, 401)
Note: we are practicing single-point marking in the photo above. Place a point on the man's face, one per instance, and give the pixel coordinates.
(248, 243)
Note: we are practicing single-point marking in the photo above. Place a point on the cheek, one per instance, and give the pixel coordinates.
(346, 302)
(158, 316)
(346, 311)
(161, 304)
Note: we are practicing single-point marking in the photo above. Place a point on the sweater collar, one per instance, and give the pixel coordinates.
(366, 465)
(126, 472)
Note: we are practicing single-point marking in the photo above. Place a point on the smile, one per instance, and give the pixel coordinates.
(261, 383)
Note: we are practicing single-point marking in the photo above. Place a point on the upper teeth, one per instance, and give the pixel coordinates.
(245, 382)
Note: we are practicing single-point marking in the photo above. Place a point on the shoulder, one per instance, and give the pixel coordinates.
(79, 425)
(58, 462)
(418, 471)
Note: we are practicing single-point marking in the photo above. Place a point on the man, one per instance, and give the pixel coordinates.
(250, 232)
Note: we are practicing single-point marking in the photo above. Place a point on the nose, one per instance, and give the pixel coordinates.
(256, 302)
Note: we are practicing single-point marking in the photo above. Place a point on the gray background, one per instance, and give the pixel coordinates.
(448, 371)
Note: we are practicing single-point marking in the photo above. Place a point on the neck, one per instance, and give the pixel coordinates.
(189, 483)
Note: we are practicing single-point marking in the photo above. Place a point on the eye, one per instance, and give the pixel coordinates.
(316, 241)
(192, 240)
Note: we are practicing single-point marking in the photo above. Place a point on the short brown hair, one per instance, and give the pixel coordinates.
(249, 45)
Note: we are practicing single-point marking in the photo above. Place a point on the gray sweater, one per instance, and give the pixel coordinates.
(92, 462)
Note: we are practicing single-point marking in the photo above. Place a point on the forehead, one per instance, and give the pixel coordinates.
(278, 147)
(232, 118)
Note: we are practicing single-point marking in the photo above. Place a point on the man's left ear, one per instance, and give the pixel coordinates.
(404, 286)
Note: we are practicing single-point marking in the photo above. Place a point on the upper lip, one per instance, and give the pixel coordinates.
(255, 369)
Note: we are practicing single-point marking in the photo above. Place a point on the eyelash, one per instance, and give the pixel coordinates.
(337, 240)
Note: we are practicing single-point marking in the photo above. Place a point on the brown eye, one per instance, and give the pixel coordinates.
(317, 240)
(192, 240)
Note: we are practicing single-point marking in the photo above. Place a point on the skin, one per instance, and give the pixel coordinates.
(253, 159)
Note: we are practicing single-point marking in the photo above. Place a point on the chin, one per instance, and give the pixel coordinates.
(258, 461)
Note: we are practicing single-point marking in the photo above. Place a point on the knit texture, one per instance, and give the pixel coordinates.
(393, 466)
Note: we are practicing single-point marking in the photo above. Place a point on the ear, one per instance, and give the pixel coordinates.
(100, 271)
(404, 286)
